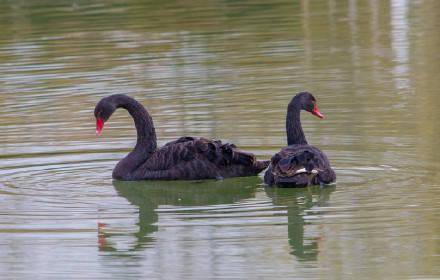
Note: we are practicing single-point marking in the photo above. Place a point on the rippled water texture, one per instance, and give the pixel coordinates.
(220, 69)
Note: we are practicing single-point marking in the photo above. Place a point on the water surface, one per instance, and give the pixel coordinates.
(219, 69)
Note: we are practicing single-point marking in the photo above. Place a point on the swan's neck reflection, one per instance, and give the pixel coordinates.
(300, 203)
(148, 196)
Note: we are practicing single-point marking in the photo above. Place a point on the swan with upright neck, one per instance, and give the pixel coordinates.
(299, 164)
(187, 158)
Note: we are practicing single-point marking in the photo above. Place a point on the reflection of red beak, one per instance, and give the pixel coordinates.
(102, 242)
(317, 113)
(99, 126)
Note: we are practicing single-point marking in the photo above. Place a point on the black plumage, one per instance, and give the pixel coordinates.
(187, 158)
(299, 164)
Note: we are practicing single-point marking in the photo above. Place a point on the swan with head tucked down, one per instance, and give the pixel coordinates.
(187, 158)
(299, 164)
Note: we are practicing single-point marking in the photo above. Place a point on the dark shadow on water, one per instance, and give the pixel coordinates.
(148, 195)
(297, 201)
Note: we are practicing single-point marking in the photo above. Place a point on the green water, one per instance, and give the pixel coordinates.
(220, 69)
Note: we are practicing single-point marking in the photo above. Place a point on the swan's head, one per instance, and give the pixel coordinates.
(308, 103)
(103, 110)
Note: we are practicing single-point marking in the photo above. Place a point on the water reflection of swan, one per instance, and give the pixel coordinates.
(148, 195)
(297, 201)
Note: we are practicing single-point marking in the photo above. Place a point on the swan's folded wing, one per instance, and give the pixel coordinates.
(187, 149)
(199, 158)
(299, 163)
(181, 140)
(294, 164)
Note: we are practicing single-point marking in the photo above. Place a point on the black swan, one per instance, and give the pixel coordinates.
(186, 158)
(299, 164)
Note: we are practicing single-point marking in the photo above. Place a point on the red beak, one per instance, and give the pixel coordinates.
(99, 126)
(317, 113)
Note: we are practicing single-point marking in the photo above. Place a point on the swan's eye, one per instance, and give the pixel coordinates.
(309, 105)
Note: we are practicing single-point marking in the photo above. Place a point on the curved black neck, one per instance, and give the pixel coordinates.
(295, 133)
(146, 137)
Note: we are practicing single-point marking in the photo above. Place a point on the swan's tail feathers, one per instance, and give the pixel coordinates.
(248, 159)
(243, 158)
(260, 165)
(227, 155)
(298, 170)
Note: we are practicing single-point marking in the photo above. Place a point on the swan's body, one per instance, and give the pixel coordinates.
(299, 164)
(190, 158)
(187, 158)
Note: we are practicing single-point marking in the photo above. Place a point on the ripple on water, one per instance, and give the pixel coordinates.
(222, 70)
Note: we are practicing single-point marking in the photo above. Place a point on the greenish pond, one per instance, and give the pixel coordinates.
(220, 69)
